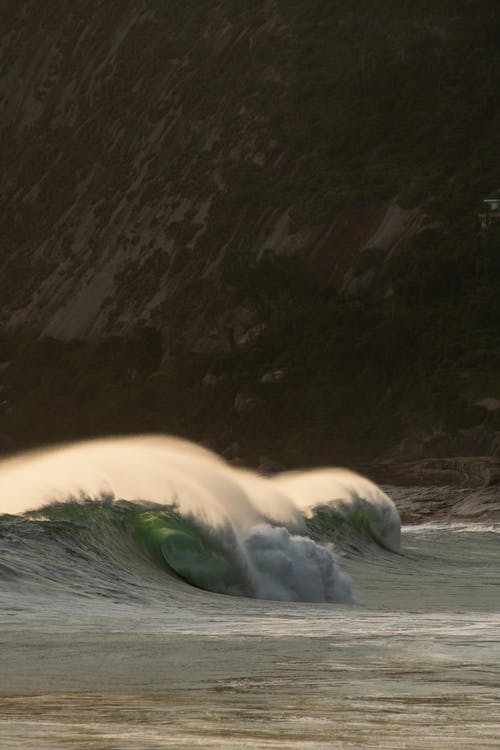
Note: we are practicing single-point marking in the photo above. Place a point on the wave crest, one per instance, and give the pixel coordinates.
(216, 527)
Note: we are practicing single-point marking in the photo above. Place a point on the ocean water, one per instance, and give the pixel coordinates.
(152, 596)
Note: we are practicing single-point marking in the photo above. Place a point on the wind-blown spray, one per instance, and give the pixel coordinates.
(215, 526)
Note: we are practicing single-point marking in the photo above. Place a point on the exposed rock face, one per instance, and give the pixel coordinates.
(489, 404)
(275, 376)
(445, 503)
(137, 141)
(244, 404)
(480, 440)
(475, 471)
(266, 187)
(115, 158)
(395, 227)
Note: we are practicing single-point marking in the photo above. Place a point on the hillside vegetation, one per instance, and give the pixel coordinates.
(251, 223)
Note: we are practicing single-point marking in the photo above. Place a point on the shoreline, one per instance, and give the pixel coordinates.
(417, 504)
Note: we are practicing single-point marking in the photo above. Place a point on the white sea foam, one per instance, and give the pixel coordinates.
(261, 522)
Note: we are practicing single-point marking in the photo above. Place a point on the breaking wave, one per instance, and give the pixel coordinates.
(121, 510)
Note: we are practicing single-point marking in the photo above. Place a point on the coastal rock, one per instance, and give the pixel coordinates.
(445, 503)
(246, 404)
(490, 404)
(273, 377)
(460, 471)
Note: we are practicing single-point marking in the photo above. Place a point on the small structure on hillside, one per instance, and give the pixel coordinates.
(491, 214)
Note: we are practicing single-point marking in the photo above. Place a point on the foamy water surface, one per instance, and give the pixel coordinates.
(152, 596)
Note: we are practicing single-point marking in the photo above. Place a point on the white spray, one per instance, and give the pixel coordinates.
(261, 517)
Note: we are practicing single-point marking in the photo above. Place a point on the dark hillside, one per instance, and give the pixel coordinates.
(251, 223)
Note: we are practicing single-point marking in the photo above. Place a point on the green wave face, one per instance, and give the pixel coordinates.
(116, 547)
(340, 520)
(190, 554)
(132, 513)
(265, 562)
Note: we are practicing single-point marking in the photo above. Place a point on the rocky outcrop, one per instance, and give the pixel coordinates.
(438, 503)
(479, 440)
(393, 229)
(119, 146)
(141, 148)
(462, 471)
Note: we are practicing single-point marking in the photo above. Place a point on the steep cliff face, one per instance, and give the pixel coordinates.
(146, 141)
(121, 123)
(236, 188)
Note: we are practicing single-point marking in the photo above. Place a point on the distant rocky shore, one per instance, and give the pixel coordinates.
(443, 475)
(454, 488)
(459, 471)
(420, 504)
